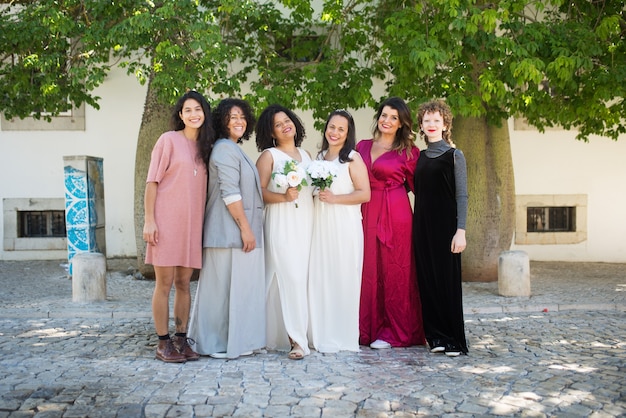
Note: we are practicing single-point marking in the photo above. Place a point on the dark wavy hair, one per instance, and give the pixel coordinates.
(265, 127)
(206, 134)
(350, 144)
(221, 118)
(437, 105)
(404, 140)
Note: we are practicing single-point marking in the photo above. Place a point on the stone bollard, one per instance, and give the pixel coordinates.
(89, 277)
(513, 274)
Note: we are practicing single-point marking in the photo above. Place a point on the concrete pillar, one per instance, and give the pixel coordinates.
(89, 277)
(84, 205)
(513, 274)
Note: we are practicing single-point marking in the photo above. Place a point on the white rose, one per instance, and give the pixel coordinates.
(294, 178)
(280, 180)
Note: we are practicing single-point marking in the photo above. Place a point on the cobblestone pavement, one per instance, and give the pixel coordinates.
(559, 353)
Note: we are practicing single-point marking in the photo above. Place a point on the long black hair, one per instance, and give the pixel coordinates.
(206, 134)
(265, 127)
(350, 144)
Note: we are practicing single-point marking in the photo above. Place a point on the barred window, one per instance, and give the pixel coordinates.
(551, 219)
(41, 224)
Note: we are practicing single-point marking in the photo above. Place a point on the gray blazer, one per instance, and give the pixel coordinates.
(231, 172)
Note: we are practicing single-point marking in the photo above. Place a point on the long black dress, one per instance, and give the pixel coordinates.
(438, 269)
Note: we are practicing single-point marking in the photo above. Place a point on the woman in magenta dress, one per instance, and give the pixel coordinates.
(390, 310)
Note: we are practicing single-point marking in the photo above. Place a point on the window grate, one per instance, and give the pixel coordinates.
(41, 224)
(551, 219)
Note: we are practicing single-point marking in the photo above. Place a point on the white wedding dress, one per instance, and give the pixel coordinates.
(288, 231)
(335, 270)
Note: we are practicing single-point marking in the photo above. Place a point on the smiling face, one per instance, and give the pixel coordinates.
(192, 114)
(389, 121)
(237, 123)
(433, 126)
(283, 130)
(337, 131)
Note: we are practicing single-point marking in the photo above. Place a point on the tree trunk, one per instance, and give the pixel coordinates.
(155, 121)
(491, 187)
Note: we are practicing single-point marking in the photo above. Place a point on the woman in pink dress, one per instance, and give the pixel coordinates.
(174, 203)
(390, 310)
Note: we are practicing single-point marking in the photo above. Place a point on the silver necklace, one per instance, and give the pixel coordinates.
(193, 157)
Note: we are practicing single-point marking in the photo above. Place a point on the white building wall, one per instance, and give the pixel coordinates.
(31, 166)
(31, 162)
(555, 163)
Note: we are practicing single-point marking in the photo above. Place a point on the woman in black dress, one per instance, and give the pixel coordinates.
(439, 230)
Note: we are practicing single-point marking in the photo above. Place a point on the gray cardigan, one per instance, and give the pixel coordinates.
(231, 172)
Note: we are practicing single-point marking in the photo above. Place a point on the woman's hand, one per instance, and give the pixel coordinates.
(326, 196)
(249, 242)
(291, 194)
(151, 233)
(458, 241)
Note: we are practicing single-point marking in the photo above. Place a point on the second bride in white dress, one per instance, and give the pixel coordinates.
(336, 260)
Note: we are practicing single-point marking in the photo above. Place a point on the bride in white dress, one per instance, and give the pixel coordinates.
(288, 230)
(336, 258)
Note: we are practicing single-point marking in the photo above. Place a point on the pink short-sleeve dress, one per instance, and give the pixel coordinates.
(180, 201)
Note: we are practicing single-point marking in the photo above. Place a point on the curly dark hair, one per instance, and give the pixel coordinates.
(221, 117)
(350, 144)
(265, 126)
(206, 134)
(404, 140)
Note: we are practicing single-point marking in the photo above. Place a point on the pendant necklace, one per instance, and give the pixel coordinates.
(193, 158)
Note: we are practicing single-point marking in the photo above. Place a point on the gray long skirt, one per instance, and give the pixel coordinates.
(228, 312)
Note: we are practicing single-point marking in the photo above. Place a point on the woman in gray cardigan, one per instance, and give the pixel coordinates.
(228, 313)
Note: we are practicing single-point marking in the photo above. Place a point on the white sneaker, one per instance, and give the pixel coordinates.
(247, 353)
(218, 355)
(438, 349)
(453, 353)
(380, 345)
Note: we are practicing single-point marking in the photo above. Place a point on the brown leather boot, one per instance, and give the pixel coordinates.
(182, 346)
(166, 352)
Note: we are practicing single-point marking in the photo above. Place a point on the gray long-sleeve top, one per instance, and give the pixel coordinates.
(435, 149)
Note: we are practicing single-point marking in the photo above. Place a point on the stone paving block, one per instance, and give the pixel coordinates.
(313, 401)
(223, 409)
(78, 411)
(9, 404)
(502, 408)
(247, 411)
(202, 411)
(255, 398)
(376, 405)
(469, 407)
(191, 399)
(156, 410)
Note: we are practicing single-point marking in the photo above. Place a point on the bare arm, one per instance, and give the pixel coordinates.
(247, 236)
(264, 166)
(150, 229)
(360, 180)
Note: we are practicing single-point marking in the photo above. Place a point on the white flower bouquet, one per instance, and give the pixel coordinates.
(291, 175)
(322, 173)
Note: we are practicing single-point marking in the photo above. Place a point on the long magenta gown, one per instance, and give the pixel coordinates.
(390, 308)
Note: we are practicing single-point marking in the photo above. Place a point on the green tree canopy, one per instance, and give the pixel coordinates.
(553, 62)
